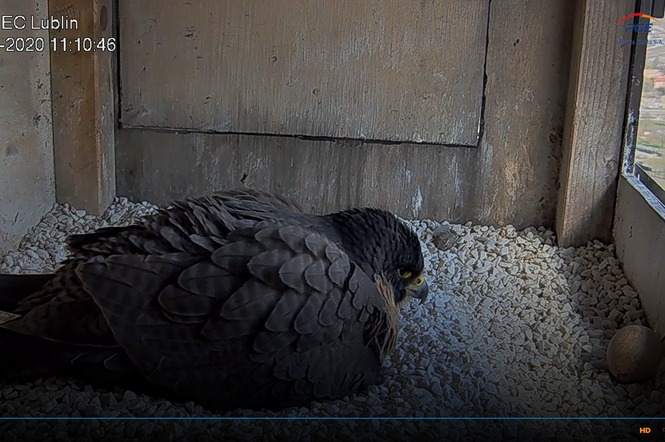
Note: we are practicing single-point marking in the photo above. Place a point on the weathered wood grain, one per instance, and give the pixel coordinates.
(639, 235)
(528, 61)
(509, 179)
(322, 175)
(384, 70)
(27, 184)
(84, 118)
(594, 123)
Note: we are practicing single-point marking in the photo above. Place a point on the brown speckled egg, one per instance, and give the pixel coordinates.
(634, 354)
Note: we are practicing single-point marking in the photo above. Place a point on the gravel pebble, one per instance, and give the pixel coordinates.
(515, 326)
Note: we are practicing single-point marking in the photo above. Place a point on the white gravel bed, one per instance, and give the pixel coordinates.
(514, 327)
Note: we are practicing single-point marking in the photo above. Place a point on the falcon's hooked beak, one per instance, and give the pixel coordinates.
(418, 288)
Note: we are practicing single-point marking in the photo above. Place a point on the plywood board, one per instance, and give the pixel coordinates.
(385, 70)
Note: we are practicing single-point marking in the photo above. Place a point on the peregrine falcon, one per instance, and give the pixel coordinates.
(237, 299)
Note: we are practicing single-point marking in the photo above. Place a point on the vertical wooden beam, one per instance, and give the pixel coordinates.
(83, 82)
(594, 122)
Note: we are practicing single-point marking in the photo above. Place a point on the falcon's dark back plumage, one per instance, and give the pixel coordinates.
(236, 299)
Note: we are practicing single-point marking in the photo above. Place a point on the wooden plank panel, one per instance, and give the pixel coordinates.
(594, 123)
(322, 175)
(370, 69)
(84, 118)
(527, 77)
(509, 179)
(639, 234)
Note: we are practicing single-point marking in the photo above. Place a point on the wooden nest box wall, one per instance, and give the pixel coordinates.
(460, 111)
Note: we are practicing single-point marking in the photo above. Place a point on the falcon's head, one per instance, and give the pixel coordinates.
(382, 245)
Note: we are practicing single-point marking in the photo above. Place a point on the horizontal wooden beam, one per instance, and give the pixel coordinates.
(83, 83)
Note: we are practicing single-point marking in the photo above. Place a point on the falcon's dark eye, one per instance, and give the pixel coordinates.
(404, 274)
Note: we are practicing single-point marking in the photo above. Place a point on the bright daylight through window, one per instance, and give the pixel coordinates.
(650, 143)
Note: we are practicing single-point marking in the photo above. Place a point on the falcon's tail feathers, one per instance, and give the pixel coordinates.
(14, 288)
(27, 358)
